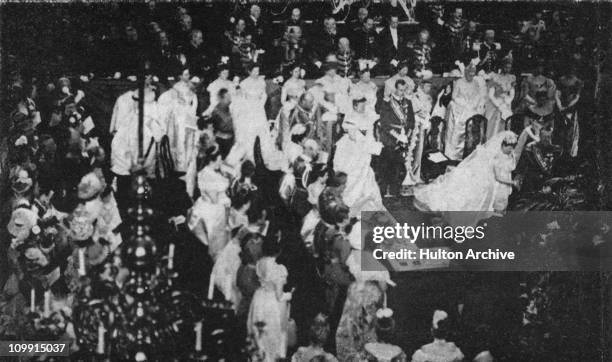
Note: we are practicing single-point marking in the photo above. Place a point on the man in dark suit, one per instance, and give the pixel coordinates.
(196, 56)
(324, 43)
(254, 26)
(364, 41)
(396, 115)
(392, 44)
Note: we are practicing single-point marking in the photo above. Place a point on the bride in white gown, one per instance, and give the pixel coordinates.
(249, 114)
(481, 183)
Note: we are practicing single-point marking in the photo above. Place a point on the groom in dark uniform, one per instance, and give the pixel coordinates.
(396, 115)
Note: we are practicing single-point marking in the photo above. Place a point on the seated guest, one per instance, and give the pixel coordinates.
(344, 54)
(197, 57)
(222, 122)
(296, 19)
(488, 52)
(324, 43)
(391, 44)
(292, 48)
(439, 350)
(127, 52)
(402, 70)
(239, 47)
(421, 51)
(364, 41)
(254, 26)
(359, 22)
(163, 59)
(454, 32)
(182, 34)
(472, 36)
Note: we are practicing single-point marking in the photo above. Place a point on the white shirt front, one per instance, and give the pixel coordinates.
(394, 36)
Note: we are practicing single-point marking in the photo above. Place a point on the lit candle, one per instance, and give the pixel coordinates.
(198, 336)
(171, 256)
(32, 300)
(211, 287)
(81, 261)
(385, 300)
(100, 347)
(47, 306)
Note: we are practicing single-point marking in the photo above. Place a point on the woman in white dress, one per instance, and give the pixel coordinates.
(481, 183)
(179, 105)
(294, 87)
(269, 313)
(353, 156)
(222, 82)
(467, 101)
(208, 216)
(249, 114)
(365, 88)
(499, 103)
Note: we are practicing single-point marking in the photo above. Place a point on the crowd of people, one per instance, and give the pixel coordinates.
(276, 203)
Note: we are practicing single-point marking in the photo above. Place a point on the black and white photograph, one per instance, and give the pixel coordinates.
(306, 180)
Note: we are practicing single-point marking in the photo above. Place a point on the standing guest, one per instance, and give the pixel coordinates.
(208, 217)
(249, 114)
(499, 103)
(308, 114)
(319, 334)
(358, 324)
(365, 88)
(178, 106)
(255, 27)
(334, 88)
(566, 98)
(269, 313)
(402, 71)
(392, 44)
(467, 100)
(124, 145)
(222, 122)
(488, 52)
(344, 55)
(364, 42)
(396, 119)
(325, 43)
(294, 86)
(222, 82)
(198, 58)
(439, 349)
(353, 156)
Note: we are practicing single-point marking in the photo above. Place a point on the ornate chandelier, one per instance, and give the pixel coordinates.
(130, 309)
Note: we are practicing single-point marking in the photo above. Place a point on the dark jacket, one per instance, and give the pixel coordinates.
(389, 120)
